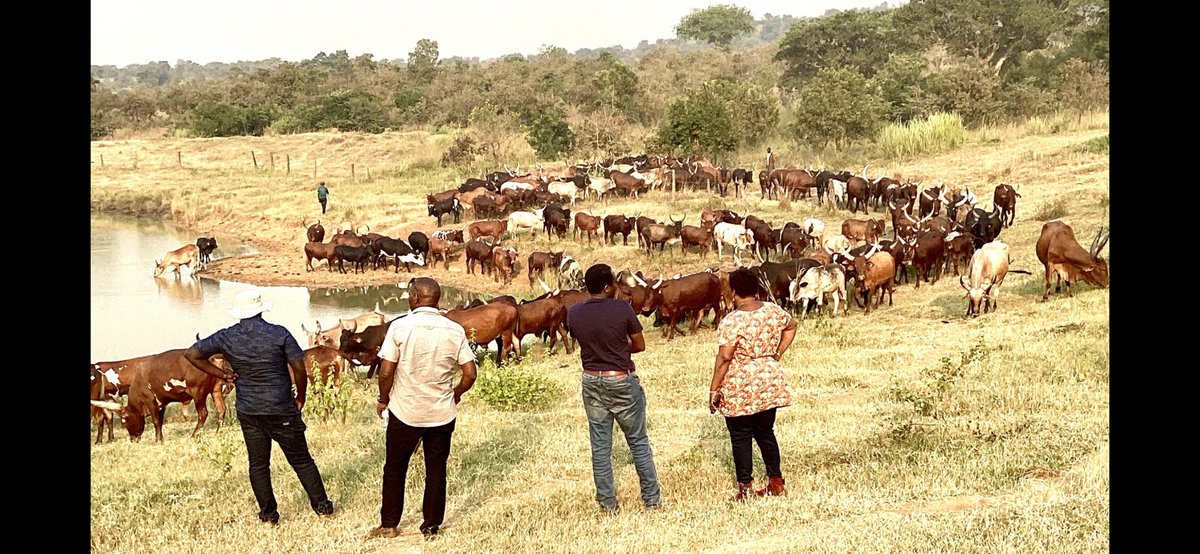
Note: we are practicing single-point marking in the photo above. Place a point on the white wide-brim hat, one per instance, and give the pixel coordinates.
(248, 303)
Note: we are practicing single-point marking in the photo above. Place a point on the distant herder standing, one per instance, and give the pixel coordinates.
(770, 161)
(322, 195)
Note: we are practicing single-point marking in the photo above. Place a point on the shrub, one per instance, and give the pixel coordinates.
(939, 132)
(513, 387)
(1098, 145)
(1053, 209)
(838, 105)
(462, 151)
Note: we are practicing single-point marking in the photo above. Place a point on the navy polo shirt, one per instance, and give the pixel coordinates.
(602, 326)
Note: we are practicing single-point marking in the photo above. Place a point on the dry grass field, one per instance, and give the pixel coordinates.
(913, 428)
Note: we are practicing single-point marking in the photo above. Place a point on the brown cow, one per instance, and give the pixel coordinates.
(314, 232)
(326, 360)
(496, 321)
(929, 256)
(863, 230)
(585, 224)
(875, 273)
(690, 235)
(959, 247)
(319, 251)
(858, 192)
(478, 251)
(699, 293)
(539, 261)
(1062, 255)
(440, 249)
(494, 228)
(793, 182)
(542, 317)
(188, 254)
(1005, 198)
(503, 263)
(158, 380)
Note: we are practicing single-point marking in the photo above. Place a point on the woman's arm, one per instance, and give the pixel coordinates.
(720, 368)
(785, 338)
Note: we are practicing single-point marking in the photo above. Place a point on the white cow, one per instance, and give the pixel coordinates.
(529, 220)
(837, 193)
(815, 283)
(566, 189)
(737, 236)
(601, 186)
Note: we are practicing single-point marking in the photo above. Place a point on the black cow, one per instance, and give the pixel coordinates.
(558, 218)
(419, 243)
(618, 224)
(443, 207)
(402, 251)
(764, 237)
(985, 226)
(472, 183)
(316, 233)
(206, 246)
(741, 178)
(359, 255)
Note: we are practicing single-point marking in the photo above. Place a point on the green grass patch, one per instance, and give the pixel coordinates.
(1098, 145)
(940, 132)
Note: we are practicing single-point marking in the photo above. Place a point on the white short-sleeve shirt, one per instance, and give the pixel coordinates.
(427, 347)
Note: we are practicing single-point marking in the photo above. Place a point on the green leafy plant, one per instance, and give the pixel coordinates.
(925, 400)
(514, 388)
(328, 398)
(219, 449)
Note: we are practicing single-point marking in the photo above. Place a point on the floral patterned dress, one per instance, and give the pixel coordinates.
(755, 380)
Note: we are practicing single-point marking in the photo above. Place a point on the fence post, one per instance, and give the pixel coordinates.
(289, 163)
(255, 159)
(314, 168)
(272, 162)
(101, 161)
(351, 172)
(135, 160)
(368, 173)
(179, 158)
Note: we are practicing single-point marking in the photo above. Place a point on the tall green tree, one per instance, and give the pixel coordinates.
(989, 30)
(857, 38)
(550, 136)
(422, 61)
(699, 123)
(753, 111)
(717, 25)
(838, 105)
(346, 110)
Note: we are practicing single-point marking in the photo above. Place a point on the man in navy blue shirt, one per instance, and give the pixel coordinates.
(261, 355)
(608, 332)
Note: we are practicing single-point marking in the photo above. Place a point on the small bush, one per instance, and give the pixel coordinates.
(940, 132)
(1098, 145)
(328, 398)
(461, 152)
(513, 388)
(1053, 209)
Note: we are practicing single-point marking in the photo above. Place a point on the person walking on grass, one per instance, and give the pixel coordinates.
(608, 333)
(416, 390)
(748, 384)
(322, 195)
(261, 355)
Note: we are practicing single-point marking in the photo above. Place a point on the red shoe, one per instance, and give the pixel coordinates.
(744, 492)
(774, 488)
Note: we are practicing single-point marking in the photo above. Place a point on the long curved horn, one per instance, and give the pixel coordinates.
(639, 280)
(544, 286)
(107, 405)
(963, 283)
(659, 283)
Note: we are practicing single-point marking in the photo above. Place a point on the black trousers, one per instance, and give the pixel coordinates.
(743, 432)
(322, 201)
(401, 443)
(288, 431)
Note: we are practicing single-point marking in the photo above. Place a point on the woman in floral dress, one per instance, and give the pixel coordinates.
(748, 382)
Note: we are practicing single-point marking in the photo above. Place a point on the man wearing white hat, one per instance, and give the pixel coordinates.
(261, 354)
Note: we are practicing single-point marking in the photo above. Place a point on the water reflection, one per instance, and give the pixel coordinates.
(134, 314)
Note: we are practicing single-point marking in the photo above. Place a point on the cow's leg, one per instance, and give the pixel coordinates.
(201, 413)
(218, 396)
(157, 415)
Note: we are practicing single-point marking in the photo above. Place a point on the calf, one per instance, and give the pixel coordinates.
(455, 236)
(874, 274)
(491, 228)
(1005, 198)
(525, 220)
(863, 231)
(815, 283)
(206, 245)
(358, 255)
(540, 261)
(188, 255)
(929, 255)
(442, 207)
(736, 236)
(440, 249)
(585, 224)
(481, 252)
(328, 361)
(503, 263)
(960, 247)
(319, 251)
(315, 232)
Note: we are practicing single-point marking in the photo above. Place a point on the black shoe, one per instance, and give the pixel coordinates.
(326, 509)
(273, 519)
(429, 533)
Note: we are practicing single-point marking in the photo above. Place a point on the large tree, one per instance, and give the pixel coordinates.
(860, 39)
(839, 105)
(422, 61)
(989, 30)
(717, 25)
(699, 123)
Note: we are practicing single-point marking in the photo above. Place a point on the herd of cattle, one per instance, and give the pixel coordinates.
(933, 232)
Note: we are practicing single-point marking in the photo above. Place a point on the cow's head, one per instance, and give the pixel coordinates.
(977, 295)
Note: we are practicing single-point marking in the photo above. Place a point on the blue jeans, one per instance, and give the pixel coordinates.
(622, 399)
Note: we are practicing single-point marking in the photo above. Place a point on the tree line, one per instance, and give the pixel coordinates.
(727, 81)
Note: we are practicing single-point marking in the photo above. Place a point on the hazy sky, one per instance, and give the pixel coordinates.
(139, 31)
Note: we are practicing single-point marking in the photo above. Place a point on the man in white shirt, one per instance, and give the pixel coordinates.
(416, 388)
